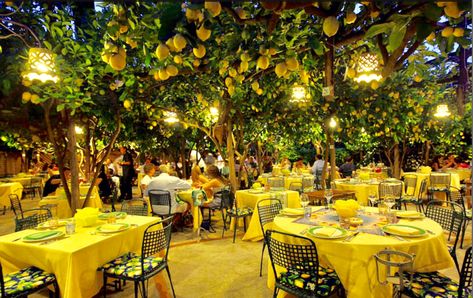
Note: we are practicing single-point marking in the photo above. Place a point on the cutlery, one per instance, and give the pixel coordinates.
(398, 237)
(303, 231)
(14, 240)
(430, 232)
(350, 238)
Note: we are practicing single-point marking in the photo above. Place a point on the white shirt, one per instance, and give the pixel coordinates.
(118, 168)
(318, 167)
(166, 182)
(145, 180)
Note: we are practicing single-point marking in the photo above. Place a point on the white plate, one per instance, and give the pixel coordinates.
(339, 233)
(410, 216)
(255, 190)
(47, 224)
(36, 237)
(121, 227)
(388, 231)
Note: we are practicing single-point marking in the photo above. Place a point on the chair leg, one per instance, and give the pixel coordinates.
(144, 293)
(224, 224)
(104, 285)
(170, 281)
(244, 223)
(136, 284)
(235, 229)
(56, 289)
(261, 262)
(275, 293)
(454, 256)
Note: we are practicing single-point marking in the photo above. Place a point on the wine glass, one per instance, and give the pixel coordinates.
(390, 202)
(304, 200)
(328, 194)
(372, 198)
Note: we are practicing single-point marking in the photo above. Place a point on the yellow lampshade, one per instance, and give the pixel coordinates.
(171, 117)
(367, 68)
(299, 94)
(40, 66)
(442, 111)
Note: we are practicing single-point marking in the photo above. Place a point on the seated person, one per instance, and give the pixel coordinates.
(170, 183)
(54, 182)
(450, 162)
(103, 182)
(197, 178)
(149, 171)
(347, 168)
(216, 183)
(285, 163)
(436, 164)
(298, 165)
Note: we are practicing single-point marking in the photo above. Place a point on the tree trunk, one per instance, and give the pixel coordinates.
(75, 193)
(333, 164)
(397, 162)
(462, 78)
(87, 157)
(231, 154)
(427, 152)
(328, 78)
(259, 156)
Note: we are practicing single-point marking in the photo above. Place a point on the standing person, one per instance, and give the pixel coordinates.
(347, 168)
(127, 174)
(318, 165)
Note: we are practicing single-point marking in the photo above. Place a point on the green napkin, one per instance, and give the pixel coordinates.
(41, 235)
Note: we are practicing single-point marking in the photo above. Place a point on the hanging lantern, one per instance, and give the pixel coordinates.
(367, 68)
(171, 117)
(332, 122)
(442, 111)
(299, 94)
(40, 66)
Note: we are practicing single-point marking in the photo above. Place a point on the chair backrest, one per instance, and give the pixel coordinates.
(440, 180)
(308, 183)
(450, 216)
(138, 207)
(465, 273)
(410, 183)
(267, 211)
(227, 199)
(422, 188)
(292, 252)
(390, 188)
(39, 215)
(276, 181)
(455, 195)
(157, 238)
(296, 186)
(199, 197)
(16, 205)
(159, 197)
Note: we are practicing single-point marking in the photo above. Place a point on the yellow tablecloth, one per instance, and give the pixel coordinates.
(247, 199)
(362, 190)
(25, 181)
(63, 209)
(463, 174)
(74, 260)
(7, 189)
(354, 263)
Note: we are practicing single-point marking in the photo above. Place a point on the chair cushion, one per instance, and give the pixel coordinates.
(432, 284)
(240, 211)
(129, 265)
(26, 279)
(327, 280)
(409, 199)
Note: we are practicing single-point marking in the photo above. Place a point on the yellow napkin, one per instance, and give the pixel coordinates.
(293, 211)
(409, 213)
(110, 227)
(402, 230)
(326, 231)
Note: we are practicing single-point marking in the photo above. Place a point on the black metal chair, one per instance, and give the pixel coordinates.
(152, 260)
(303, 276)
(456, 196)
(267, 211)
(418, 202)
(435, 284)
(25, 282)
(439, 183)
(37, 216)
(231, 211)
(450, 217)
(391, 189)
(16, 205)
(160, 198)
(135, 207)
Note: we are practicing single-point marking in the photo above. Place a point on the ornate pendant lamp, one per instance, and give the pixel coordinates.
(40, 66)
(442, 111)
(299, 94)
(367, 68)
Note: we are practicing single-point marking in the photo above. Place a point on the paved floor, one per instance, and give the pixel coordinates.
(211, 267)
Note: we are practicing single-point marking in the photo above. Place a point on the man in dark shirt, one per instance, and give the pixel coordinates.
(128, 173)
(54, 182)
(347, 168)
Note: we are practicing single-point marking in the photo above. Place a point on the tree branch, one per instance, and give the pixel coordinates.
(406, 54)
(382, 48)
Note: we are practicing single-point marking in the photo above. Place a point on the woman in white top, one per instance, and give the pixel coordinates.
(149, 173)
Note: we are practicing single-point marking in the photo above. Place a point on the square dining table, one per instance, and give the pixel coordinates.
(74, 259)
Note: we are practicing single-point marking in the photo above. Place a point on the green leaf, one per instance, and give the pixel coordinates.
(130, 82)
(432, 11)
(47, 45)
(64, 51)
(378, 29)
(395, 38)
(58, 31)
(60, 107)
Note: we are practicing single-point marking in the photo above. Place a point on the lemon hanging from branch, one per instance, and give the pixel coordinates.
(162, 51)
(330, 26)
(199, 52)
(118, 61)
(203, 33)
(179, 42)
(213, 7)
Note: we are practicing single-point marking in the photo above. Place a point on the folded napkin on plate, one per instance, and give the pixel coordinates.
(294, 211)
(41, 235)
(402, 230)
(409, 213)
(326, 231)
(111, 227)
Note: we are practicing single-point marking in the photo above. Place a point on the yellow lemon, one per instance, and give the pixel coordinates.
(162, 51)
(292, 64)
(9, 3)
(240, 78)
(374, 85)
(196, 63)
(199, 52)
(34, 98)
(447, 31)
(26, 96)
(170, 44)
(255, 85)
(241, 13)
(430, 37)
(232, 72)
(418, 78)
(106, 57)
(177, 59)
(262, 62)
(259, 91)
(133, 44)
(350, 18)
(179, 42)
(280, 69)
(243, 67)
(374, 14)
(213, 7)
(231, 90)
(123, 28)
(330, 26)
(245, 57)
(172, 70)
(156, 76)
(272, 51)
(351, 73)
(163, 75)
(228, 81)
(458, 32)
(118, 61)
(192, 14)
(203, 33)
(127, 104)
(304, 76)
(263, 51)
(452, 11)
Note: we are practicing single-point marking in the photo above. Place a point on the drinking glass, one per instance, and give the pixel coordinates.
(304, 200)
(390, 202)
(328, 194)
(372, 197)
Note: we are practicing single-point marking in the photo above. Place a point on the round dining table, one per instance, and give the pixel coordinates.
(354, 261)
